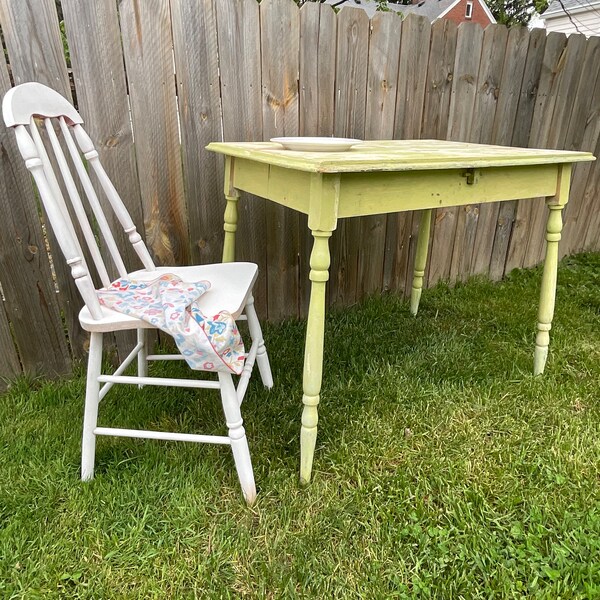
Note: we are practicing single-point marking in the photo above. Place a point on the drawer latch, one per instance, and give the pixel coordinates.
(471, 176)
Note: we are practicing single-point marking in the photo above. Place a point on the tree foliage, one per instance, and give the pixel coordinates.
(516, 12)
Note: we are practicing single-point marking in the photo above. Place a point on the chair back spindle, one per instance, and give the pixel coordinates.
(22, 105)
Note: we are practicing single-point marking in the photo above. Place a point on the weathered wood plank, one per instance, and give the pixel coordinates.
(94, 41)
(540, 87)
(317, 76)
(583, 132)
(414, 56)
(514, 216)
(591, 198)
(438, 90)
(553, 131)
(148, 51)
(197, 68)
(499, 120)
(446, 242)
(280, 40)
(30, 297)
(35, 51)
(318, 27)
(507, 112)
(238, 30)
(10, 367)
(349, 121)
(440, 74)
(407, 123)
(382, 84)
(468, 225)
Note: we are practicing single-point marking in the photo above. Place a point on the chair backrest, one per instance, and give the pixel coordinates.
(21, 106)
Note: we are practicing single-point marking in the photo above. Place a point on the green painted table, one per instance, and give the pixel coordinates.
(389, 176)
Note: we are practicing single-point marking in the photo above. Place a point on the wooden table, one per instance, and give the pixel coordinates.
(383, 177)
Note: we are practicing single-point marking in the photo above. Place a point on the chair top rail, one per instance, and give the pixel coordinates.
(34, 99)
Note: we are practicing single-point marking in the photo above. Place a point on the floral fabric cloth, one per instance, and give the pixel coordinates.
(208, 343)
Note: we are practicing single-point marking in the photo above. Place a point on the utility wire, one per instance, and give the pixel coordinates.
(569, 15)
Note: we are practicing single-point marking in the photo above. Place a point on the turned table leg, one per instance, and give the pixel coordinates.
(313, 352)
(230, 226)
(548, 290)
(420, 260)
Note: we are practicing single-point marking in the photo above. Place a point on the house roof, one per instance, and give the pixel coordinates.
(556, 7)
(432, 9)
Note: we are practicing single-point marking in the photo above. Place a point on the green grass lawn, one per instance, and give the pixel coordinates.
(443, 469)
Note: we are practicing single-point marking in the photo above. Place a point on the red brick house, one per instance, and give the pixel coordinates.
(475, 11)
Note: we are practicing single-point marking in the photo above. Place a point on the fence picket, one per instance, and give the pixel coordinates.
(438, 91)
(97, 59)
(414, 56)
(542, 109)
(197, 68)
(203, 70)
(590, 198)
(318, 37)
(583, 132)
(30, 297)
(10, 366)
(507, 113)
(238, 31)
(382, 84)
(349, 121)
(513, 215)
(36, 53)
(554, 132)
(447, 242)
(280, 42)
(491, 71)
(149, 63)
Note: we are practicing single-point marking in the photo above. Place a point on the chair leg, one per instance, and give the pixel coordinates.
(237, 435)
(142, 361)
(262, 358)
(92, 389)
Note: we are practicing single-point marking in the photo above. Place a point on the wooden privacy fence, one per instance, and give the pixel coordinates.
(157, 80)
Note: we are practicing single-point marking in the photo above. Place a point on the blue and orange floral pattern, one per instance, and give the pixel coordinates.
(208, 343)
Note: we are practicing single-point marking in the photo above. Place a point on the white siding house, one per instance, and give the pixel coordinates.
(573, 16)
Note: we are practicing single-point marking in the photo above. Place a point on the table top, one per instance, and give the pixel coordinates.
(397, 155)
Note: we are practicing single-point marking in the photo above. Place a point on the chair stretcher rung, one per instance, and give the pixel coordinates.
(128, 360)
(165, 357)
(188, 383)
(170, 356)
(162, 435)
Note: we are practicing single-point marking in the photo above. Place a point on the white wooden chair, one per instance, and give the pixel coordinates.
(231, 284)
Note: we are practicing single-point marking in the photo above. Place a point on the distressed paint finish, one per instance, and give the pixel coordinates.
(148, 57)
(391, 176)
(35, 53)
(231, 214)
(313, 351)
(420, 261)
(548, 290)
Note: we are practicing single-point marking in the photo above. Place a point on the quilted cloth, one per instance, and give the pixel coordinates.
(207, 342)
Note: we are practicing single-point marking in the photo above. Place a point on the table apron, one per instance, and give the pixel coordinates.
(385, 192)
(377, 192)
(288, 187)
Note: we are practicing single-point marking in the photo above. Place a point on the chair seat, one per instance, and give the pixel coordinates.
(231, 284)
